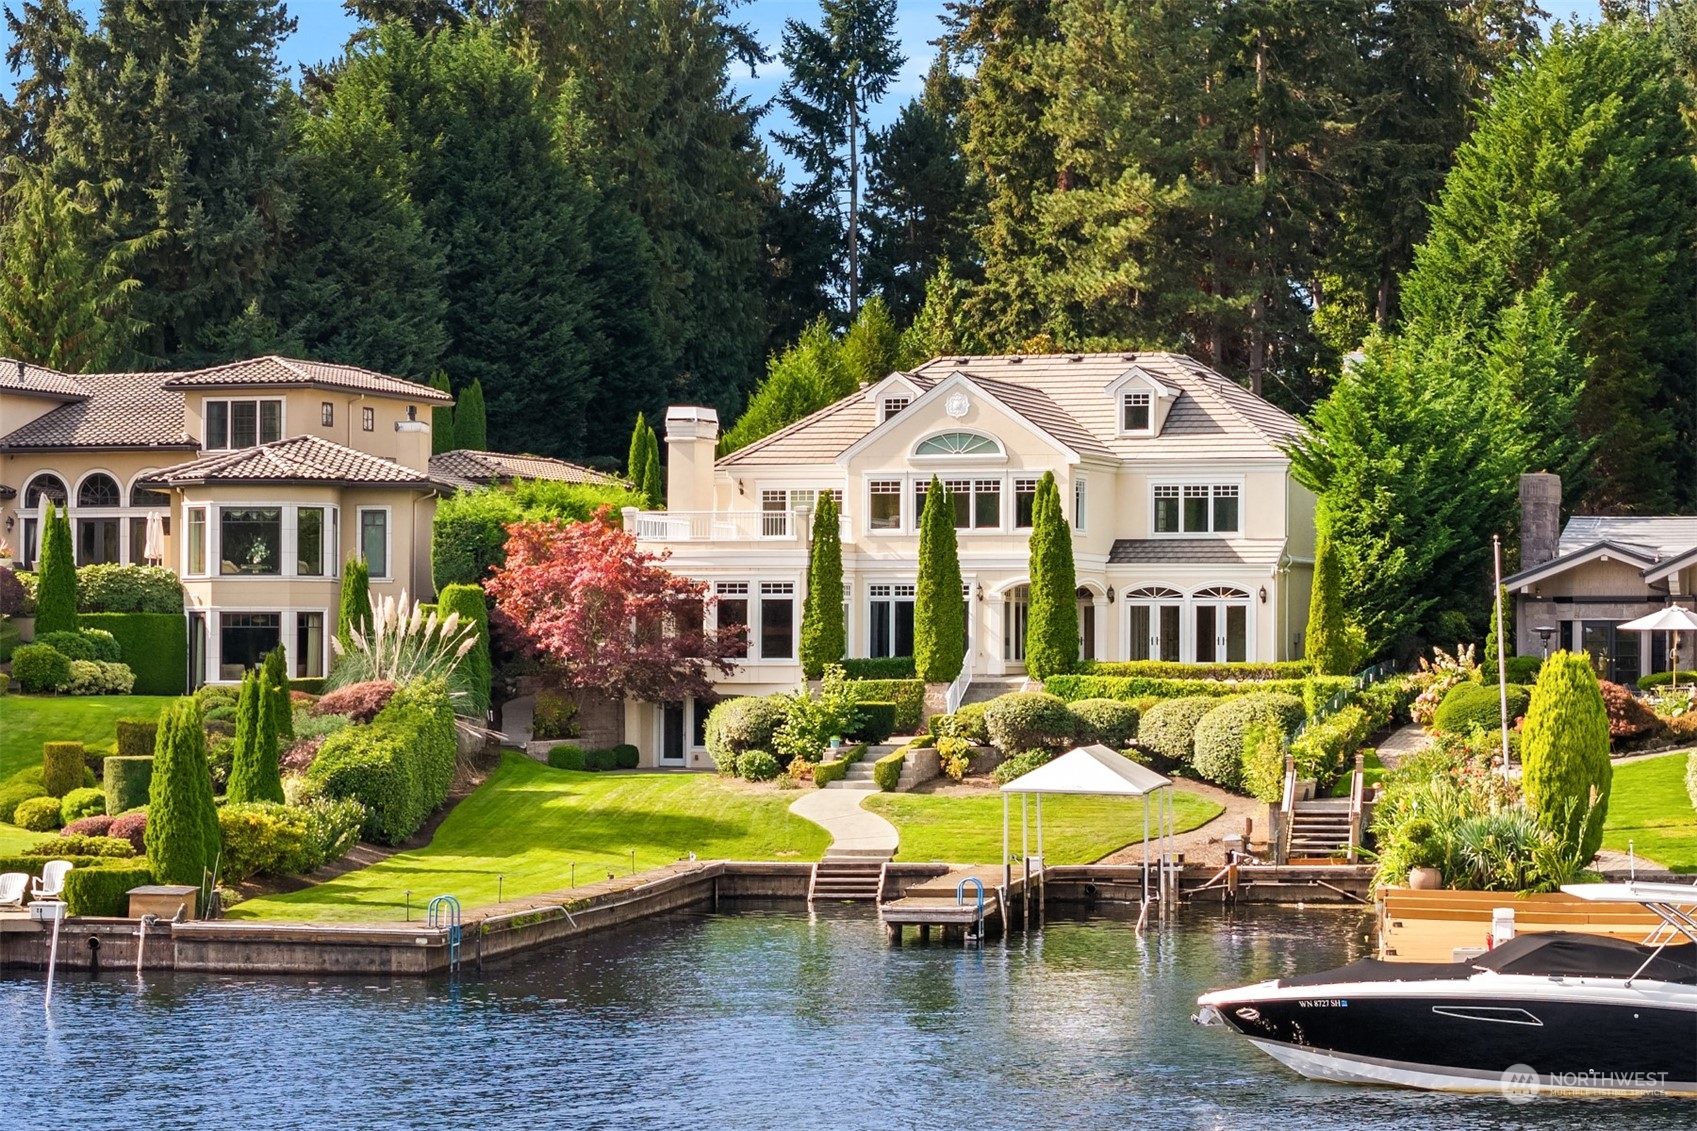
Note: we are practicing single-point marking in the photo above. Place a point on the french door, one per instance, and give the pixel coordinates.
(1156, 626)
(1221, 623)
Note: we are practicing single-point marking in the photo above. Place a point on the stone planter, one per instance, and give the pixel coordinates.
(1425, 879)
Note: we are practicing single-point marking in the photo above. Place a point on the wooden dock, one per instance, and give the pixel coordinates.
(1430, 926)
(957, 912)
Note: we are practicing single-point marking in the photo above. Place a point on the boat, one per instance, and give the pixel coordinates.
(1555, 1013)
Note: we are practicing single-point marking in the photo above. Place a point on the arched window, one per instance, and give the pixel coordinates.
(1221, 593)
(99, 490)
(958, 444)
(142, 497)
(46, 485)
(1153, 593)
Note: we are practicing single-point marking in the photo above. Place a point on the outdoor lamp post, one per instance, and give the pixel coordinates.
(1544, 632)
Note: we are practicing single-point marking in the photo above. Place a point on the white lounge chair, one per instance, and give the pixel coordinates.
(12, 888)
(52, 885)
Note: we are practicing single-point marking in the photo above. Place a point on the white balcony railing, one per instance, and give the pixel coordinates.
(721, 526)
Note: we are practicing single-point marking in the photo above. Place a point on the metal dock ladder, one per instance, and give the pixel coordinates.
(444, 911)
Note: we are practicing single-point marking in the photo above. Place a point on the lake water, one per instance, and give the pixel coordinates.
(765, 1018)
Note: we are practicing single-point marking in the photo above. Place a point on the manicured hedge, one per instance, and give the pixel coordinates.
(103, 889)
(136, 737)
(887, 771)
(62, 766)
(1075, 687)
(907, 694)
(154, 645)
(1111, 722)
(127, 781)
(39, 668)
(399, 765)
(1219, 740)
(128, 589)
(877, 721)
(879, 667)
(1325, 748)
(1655, 679)
(1161, 669)
(566, 757)
(827, 772)
(1468, 705)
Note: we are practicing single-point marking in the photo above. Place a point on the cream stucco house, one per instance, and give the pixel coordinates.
(1193, 542)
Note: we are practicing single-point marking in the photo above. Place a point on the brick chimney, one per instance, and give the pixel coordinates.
(1540, 518)
(692, 439)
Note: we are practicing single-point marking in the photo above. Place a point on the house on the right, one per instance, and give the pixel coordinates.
(1579, 582)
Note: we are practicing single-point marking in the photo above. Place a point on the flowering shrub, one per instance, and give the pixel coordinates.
(358, 701)
(1437, 676)
(99, 677)
(811, 722)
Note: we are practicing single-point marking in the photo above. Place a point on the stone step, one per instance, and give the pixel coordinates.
(865, 785)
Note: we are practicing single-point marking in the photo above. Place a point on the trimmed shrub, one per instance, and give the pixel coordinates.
(255, 774)
(600, 760)
(1107, 721)
(939, 617)
(136, 737)
(1051, 640)
(1163, 669)
(876, 721)
(1565, 752)
(757, 765)
(38, 814)
(353, 612)
(18, 788)
(1021, 764)
(133, 828)
(71, 645)
(84, 801)
(475, 666)
(907, 694)
(211, 695)
(181, 835)
(103, 889)
(99, 677)
(966, 724)
(1324, 749)
(68, 843)
(98, 825)
(1468, 705)
(260, 837)
(736, 726)
(887, 771)
(827, 772)
(1219, 739)
(360, 702)
(566, 757)
(1663, 679)
(127, 779)
(38, 668)
(1263, 770)
(114, 588)
(1628, 718)
(399, 766)
(626, 756)
(1521, 669)
(822, 630)
(1075, 687)
(62, 766)
(1168, 729)
(1327, 644)
(274, 690)
(879, 667)
(56, 584)
(1028, 720)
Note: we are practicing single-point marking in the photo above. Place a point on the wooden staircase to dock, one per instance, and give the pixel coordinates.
(1320, 829)
(848, 875)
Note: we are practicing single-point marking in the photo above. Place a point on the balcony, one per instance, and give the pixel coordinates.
(722, 526)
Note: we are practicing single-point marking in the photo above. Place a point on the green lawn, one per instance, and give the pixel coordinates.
(1649, 806)
(529, 824)
(965, 829)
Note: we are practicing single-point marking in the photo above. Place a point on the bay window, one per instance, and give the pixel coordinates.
(250, 540)
(309, 541)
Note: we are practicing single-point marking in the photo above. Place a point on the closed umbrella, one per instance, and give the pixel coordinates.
(1674, 618)
(154, 550)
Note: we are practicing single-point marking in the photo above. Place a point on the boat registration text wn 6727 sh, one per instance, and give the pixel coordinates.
(1557, 1013)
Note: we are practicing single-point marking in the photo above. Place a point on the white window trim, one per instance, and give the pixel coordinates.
(206, 421)
(1209, 481)
(1005, 509)
(1189, 598)
(1080, 502)
(204, 510)
(286, 626)
(1125, 398)
(289, 544)
(388, 538)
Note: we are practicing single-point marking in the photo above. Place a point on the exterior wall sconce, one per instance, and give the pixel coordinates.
(1110, 594)
(978, 590)
(1263, 594)
(10, 522)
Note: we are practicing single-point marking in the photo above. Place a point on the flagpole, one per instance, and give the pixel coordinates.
(1502, 656)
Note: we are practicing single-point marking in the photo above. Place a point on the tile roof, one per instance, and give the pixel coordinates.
(119, 410)
(1193, 551)
(298, 459)
(21, 377)
(283, 372)
(1655, 536)
(464, 469)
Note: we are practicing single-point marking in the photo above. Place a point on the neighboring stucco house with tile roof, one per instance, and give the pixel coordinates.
(1192, 540)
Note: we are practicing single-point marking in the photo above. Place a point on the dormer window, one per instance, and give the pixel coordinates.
(893, 405)
(1137, 413)
(242, 423)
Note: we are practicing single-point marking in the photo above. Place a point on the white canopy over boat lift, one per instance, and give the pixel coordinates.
(1099, 771)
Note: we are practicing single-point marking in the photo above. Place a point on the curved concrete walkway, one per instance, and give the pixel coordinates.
(853, 830)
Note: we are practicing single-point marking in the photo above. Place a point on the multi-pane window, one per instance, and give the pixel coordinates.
(250, 540)
(977, 502)
(99, 490)
(1197, 508)
(893, 405)
(884, 504)
(242, 424)
(1024, 502)
(1078, 500)
(197, 541)
(1135, 409)
(774, 513)
(374, 540)
(309, 645)
(245, 638)
(890, 609)
(327, 413)
(368, 419)
(777, 620)
(732, 610)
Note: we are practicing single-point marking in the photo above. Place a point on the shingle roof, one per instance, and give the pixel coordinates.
(1656, 536)
(298, 459)
(1192, 551)
(21, 377)
(465, 469)
(120, 410)
(282, 372)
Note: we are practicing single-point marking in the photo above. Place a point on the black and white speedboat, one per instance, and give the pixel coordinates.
(1559, 1013)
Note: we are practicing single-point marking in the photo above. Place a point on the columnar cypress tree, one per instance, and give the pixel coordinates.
(56, 593)
(653, 488)
(822, 633)
(254, 725)
(1051, 641)
(441, 417)
(471, 430)
(939, 616)
(636, 464)
(1565, 751)
(274, 677)
(182, 819)
(1326, 644)
(355, 611)
(469, 602)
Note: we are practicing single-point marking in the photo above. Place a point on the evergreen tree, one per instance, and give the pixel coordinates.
(475, 666)
(871, 349)
(470, 431)
(653, 486)
(941, 327)
(176, 113)
(837, 72)
(1051, 640)
(1564, 748)
(441, 417)
(1326, 644)
(823, 635)
(43, 39)
(636, 464)
(354, 614)
(61, 305)
(939, 613)
(803, 379)
(254, 774)
(274, 677)
(182, 838)
(56, 587)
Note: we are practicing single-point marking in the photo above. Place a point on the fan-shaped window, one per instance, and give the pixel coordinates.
(142, 497)
(99, 490)
(1222, 593)
(44, 486)
(1153, 593)
(958, 444)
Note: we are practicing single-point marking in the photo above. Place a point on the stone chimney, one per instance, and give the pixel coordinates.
(1540, 518)
(692, 440)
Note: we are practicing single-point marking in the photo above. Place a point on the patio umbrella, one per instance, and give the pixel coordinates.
(154, 550)
(1674, 618)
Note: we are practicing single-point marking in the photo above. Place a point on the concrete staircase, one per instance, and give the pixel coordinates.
(1319, 828)
(986, 687)
(859, 776)
(848, 874)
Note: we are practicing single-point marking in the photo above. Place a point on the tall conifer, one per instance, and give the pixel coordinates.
(823, 636)
(470, 430)
(56, 588)
(1051, 641)
(182, 820)
(939, 613)
(441, 417)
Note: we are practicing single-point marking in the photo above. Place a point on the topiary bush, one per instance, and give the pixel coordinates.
(626, 757)
(1219, 739)
(1468, 705)
(84, 801)
(155, 646)
(38, 814)
(475, 666)
(38, 668)
(887, 771)
(1107, 721)
(757, 765)
(68, 843)
(1028, 720)
(97, 825)
(136, 737)
(736, 726)
(62, 766)
(1565, 752)
(876, 722)
(1168, 728)
(566, 757)
(181, 835)
(126, 781)
(71, 645)
(600, 760)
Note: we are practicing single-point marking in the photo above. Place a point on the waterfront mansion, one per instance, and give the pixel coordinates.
(1193, 543)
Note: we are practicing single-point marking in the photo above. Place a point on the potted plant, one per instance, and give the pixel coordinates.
(1425, 856)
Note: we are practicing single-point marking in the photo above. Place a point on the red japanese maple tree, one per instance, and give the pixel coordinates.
(608, 615)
